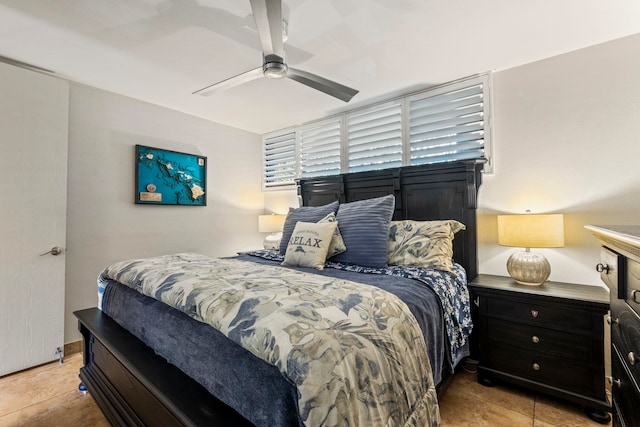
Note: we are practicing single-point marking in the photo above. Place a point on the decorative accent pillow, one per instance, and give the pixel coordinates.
(309, 244)
(364, 226)
(337, 245)
(306, 214)
(423, 243)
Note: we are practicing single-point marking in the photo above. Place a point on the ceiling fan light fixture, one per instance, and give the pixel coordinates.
(274, 70)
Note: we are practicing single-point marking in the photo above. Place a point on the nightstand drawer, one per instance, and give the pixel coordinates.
(625, 333)
(549, 370)
(563, 344)
(548, 338)
(540, 314)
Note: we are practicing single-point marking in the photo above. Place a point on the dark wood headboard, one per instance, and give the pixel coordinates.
(426, 192)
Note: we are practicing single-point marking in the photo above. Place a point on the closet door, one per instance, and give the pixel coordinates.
(34, 110)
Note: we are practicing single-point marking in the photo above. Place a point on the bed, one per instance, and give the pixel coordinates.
(127, 349)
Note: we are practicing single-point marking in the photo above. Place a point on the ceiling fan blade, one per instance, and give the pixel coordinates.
(245, 77)
(268, 16)
(320, 83)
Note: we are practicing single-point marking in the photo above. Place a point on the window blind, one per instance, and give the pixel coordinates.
(320, 149)
(374, 138)
(448, 124)
(279, 168)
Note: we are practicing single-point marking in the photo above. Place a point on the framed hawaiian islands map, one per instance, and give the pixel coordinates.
(165, 177)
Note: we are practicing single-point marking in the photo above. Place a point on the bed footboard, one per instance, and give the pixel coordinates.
(135, 387)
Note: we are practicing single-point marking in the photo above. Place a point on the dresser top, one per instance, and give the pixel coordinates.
(624, 239)
(629, 234)
(597, 294)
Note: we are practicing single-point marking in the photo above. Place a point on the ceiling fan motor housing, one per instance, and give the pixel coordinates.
(274, 70)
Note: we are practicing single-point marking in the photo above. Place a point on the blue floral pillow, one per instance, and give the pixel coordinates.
(364, 226)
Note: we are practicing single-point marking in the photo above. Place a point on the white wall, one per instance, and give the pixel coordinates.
(566, 139)
(104, 225)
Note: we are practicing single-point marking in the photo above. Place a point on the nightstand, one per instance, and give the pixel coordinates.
(549, 338)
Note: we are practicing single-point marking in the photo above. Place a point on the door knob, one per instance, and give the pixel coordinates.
(56, 250)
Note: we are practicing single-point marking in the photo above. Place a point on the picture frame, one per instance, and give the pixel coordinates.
(167, 177)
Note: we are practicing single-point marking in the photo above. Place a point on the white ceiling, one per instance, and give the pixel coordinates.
(160, 51)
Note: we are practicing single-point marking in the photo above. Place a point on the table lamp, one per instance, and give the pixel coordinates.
(271, 224)
(530, 231)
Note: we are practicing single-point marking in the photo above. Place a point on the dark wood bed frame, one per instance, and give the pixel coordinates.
(135, 387)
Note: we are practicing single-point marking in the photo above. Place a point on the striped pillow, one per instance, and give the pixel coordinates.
(305, 214)
(364, 226)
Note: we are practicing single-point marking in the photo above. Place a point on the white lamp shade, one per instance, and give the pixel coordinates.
(271, 223)
(531, 231)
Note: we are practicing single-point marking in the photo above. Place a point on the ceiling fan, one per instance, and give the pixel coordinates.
(268, 17)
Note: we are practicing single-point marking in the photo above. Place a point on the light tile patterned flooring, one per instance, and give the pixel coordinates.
(48, 396)
(468, 403)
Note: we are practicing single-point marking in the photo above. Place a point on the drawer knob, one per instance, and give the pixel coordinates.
(612, 321)
(536, 367)
(600, 268)
(631, 358)
(535, 339)
(534, 313)
(617, 382)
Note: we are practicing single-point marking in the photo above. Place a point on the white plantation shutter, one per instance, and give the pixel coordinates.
(374, 138)
(448, 123)
(320, 149)
(279, 167)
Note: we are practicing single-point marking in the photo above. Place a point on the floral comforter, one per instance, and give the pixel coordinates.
(355, 352)
(451, 290)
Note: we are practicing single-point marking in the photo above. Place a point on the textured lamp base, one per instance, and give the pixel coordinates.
(272, 241)
(528, 268)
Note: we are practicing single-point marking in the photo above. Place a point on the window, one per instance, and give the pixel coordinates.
(320, 149)
(449, 122)
(279, 169)
(375, 138)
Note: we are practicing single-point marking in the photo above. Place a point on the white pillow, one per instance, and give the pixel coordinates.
(309, 244)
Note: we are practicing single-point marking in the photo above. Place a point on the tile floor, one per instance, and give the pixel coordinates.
(468, 403)
(48, 396)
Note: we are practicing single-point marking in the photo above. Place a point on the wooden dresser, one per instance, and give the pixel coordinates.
(549, 338)
(619, 268)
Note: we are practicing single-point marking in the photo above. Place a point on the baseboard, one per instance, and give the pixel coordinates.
(72, 348)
